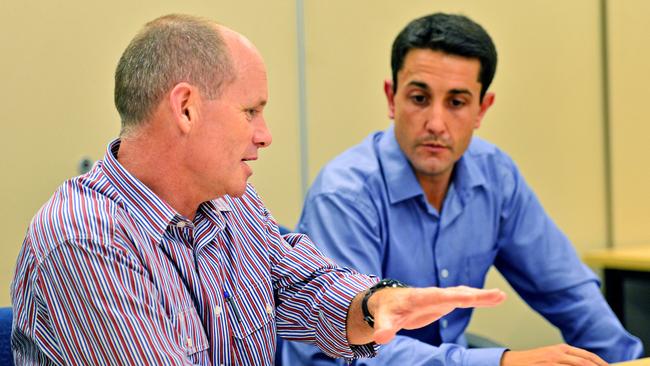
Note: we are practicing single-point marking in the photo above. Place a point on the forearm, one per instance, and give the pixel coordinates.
(314, 298)
(358, 331)
(587, 322)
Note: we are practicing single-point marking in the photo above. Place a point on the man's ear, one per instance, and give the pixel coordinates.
(390, 97)
(183, 100)
(486, 103)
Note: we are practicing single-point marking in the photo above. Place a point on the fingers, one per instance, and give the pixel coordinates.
(417, 307)
(458, 297)
(576, 361)
(559, 354)
(586, 355)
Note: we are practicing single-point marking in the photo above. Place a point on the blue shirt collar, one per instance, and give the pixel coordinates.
(401, 180)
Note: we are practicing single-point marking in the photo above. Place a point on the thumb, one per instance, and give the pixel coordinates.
(384, 331)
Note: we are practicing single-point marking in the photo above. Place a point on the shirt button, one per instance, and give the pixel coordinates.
(444, 273)
(269, 309)
(217, 311)
(181, 224)
(189, 342)
(444, 323)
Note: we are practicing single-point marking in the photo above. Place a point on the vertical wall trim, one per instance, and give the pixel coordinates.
(302, 99)
(609, 202)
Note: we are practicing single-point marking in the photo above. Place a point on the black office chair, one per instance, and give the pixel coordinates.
(6, 357)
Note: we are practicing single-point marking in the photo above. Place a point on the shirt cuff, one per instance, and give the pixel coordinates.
(331, 334)
(483, 356)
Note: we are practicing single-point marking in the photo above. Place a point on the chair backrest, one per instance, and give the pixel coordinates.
(6, 357)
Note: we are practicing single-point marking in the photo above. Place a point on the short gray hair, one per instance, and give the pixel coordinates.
(168, 50)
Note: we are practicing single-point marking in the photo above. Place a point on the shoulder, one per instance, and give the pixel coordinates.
(501, 175)
(81, 209)
(491, 160)
(353, 171)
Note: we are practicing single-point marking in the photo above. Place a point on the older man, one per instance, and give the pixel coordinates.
(163, 255)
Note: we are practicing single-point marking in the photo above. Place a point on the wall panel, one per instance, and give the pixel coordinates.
(629, 37)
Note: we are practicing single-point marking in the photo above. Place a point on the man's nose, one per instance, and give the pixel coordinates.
(262, 137)
(436, 118)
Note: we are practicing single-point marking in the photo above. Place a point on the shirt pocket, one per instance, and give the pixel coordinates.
(477, 268)
(189, 330)
(254, 316)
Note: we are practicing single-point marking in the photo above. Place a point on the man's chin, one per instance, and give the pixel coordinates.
(433, 170)
(238, 191)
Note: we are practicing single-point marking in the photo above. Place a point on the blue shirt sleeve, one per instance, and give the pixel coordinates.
(540, 263)
(401, 351)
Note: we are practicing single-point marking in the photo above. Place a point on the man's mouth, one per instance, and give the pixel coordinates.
(434, 145)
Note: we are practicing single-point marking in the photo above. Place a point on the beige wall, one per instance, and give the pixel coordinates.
(57, 64)
(629, 39)
(59, 57)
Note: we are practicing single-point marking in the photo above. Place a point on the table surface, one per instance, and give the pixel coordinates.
(635, 258)
(641, 362)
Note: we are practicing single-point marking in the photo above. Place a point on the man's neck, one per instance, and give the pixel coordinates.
(435, 188)
(156, 167)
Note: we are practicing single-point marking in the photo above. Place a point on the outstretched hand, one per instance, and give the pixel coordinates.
(409, 308)
(412, 308)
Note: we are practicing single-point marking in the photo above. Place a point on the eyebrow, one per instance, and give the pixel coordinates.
(461, 91)
(419, 84)
(425, 86)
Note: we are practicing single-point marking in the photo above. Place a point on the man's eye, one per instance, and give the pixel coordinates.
(251, 113)
(419, 99)
(457, 103)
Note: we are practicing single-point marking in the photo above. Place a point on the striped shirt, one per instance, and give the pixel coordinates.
(110, 274)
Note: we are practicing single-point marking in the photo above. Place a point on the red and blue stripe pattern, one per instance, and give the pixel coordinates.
(109, 274)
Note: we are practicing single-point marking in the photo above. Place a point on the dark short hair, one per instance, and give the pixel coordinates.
(168, 50)
(449, 33)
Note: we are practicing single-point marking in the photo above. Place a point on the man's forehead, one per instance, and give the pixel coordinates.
(422, 67)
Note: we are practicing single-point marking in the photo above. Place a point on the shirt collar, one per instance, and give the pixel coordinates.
(467, 173)
(212, 210)
(148, 210)
(151, 212)
(220, 204)
(400, 177)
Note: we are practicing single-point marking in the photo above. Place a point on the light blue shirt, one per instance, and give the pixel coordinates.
(367, 210)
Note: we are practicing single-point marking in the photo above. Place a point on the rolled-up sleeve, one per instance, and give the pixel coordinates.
(313, 295)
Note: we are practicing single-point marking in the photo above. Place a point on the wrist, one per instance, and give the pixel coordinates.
(368, 315)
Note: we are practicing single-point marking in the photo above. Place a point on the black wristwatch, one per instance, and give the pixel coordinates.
(386, 282)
